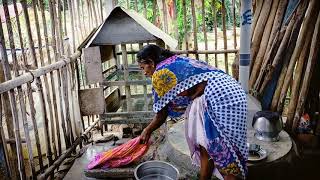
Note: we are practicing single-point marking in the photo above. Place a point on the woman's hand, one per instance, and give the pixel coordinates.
(145, 136)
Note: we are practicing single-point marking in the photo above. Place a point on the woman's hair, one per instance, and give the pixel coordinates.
(153, 53)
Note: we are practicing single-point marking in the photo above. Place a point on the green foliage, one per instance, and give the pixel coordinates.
(210, 5)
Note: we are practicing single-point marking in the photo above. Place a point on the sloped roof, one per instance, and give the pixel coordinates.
(125, 26)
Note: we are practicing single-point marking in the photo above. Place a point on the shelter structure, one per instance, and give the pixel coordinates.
(118, 91)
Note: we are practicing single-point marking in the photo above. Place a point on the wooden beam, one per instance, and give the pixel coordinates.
(125, 83)
(30, 76)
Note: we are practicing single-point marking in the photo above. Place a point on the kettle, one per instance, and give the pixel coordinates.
(267, 125)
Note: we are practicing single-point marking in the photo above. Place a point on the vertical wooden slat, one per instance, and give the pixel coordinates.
(185, 24)
(66, 101)
(94, 10)
(30, 97)
(3, 141)
(224, 28)
(89, 16)
(101, 10)
(131, 47)
(165, 16)
(82, 14)
(145, 97)
(56, 55)
(38, 83)
(13, 107)
(298, 76)
(214, 9)
(136, 5)
(64, 16)
(60, 32)
(234, 24)
(194, 24)
(79, 29)
(20, 94)
(45, 77)
(54, 101)
(145, 8)
(126, 75)
(310, 67)
(256, 69)
(154, 10)
(72, 25)
(175, 19)
(7, 110)
(305, 28)
(204, 28)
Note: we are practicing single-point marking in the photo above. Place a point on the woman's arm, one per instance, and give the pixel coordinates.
(198, 90)
(157, 121)
(195, 91)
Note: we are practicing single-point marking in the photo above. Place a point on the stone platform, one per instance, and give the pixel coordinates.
(178, 151)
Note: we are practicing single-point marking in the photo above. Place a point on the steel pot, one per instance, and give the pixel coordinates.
(267, 125)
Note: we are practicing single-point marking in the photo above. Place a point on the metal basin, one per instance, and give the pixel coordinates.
(156, 170)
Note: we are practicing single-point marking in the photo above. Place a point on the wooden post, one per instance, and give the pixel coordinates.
(94, 11)
(289, 51)
(224, 28)
(185, 24)
(313, 58)
(101, 10)
(5, 167)
(154, 10)
(258, 32)
(64, 79)
(64, 16)
(136, 5)
(263, 45)
(145, 8)
(60, 32)
(131, 48)
(256, 15)
(82, 13)
(204, 28)
(215, 31)
(72, 14)
(278, 56)
(165, 16)
(295, 87)
(79, 29)
(194, 24)
(89, 16)
(307, 23)
(126, 75)
(277, 22)
(234, 24)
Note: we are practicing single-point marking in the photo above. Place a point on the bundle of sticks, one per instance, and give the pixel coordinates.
(285, 57)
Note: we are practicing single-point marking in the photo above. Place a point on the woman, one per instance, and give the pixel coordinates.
(216, 112)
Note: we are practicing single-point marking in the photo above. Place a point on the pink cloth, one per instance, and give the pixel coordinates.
(120, 156)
